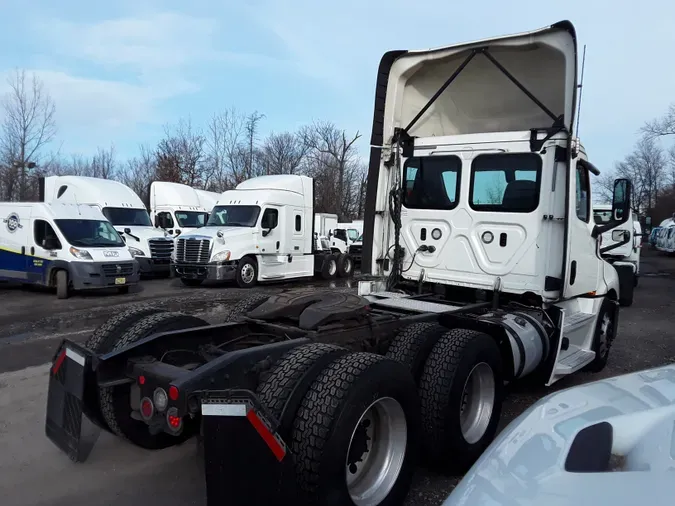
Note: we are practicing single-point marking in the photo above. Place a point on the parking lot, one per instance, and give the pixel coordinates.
(32, 322)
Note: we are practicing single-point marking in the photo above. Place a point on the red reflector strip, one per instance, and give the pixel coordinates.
(277, 448)
(58, 362)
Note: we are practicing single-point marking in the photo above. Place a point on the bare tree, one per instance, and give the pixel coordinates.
(662, 126)
(645, 168)
(225, 150)
(29, 125)
(334, 163)
(283, 153)
(103, 163)
(139, 173)
(180, 155)
(252, 121)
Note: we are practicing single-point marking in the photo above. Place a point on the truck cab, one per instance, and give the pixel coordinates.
(176, 208)
(260, 231)
(123, 209)
(64, 246)
(623, 243)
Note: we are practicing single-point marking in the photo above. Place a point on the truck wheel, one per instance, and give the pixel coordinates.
(605, 331)
(245, 305)
(345, 265)
(355, 436)
(461, 395)
(102, 341)
(116, 401)
(299, 363)
(191, 282)
(247, 273)
(62, 284)
(329, 267)
(412, 345)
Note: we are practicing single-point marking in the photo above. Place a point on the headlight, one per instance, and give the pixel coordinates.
(135, 252)
(82, 254)
(222, 256)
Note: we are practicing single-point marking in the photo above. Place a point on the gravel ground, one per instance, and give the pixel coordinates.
(32, 322)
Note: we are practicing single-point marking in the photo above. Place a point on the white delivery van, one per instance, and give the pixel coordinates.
(622, 244)
(65, 246)
(260, 231)
(123, 208)
(176, 208)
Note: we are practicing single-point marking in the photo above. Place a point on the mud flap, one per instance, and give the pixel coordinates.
(246, 462)
(66, 426)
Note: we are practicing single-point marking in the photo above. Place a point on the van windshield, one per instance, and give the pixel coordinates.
(127, 216)
(91, 233)
(234, 216)
(191, 218)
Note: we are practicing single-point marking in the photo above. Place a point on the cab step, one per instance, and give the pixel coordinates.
(573, 359)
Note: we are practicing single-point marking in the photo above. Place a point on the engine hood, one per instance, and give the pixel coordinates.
(624, 425)
(482, 98)
(212, 233)
(143, 233)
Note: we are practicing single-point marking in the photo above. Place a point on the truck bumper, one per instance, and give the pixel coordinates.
(211, 271)
(153, 266)
(96, 275)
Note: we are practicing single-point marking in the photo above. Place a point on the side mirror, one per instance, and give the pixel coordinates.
(156, 221)
(621, 200)
(620, 235)
(170, 232)
(265, 233)
(127, 230)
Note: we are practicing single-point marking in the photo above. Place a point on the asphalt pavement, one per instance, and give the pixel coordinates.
(32, 322)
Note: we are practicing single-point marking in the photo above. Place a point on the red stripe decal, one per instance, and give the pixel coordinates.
(277, 449)
(59, 360)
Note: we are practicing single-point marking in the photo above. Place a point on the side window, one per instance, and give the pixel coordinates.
(165, 220)
(432, 182)
(341, 234)
(44, 235)
(298, 223)
(270, 219)
(583, 200)
(505, 183)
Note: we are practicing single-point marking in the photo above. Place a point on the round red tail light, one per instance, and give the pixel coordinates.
(173, 393)
(174, 421)
(147, 408)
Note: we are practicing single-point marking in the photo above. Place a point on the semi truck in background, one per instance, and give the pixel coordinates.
(176, 208)
(207, 199)
(260, 231)
(124, 209)
(63, 246)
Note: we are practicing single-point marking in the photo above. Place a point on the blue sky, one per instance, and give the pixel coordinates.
(118, 71)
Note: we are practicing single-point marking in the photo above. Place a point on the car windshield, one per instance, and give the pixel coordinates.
(127, 216)
(90, 233)
(191, 218)
(602, 217)
(233, 216)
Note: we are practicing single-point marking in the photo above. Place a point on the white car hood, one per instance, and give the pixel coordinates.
(526, 464)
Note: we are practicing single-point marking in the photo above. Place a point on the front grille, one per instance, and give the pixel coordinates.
(194, 251)
(126, 269)
(355, 250)
(161, 248)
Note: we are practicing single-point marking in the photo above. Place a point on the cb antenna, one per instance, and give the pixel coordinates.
(581, 88)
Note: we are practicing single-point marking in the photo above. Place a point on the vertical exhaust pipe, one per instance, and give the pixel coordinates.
(41, 189)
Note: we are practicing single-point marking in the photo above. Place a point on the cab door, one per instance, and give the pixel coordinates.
(45, 248)
(583, 265)
(269, 240)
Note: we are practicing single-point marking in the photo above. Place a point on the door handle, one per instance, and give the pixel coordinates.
(573, 272)
(32, 250)
(277, 244)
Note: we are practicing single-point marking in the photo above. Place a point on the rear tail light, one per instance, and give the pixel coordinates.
(147, 408)
(174, 421)
(173, 393)
(161, 399)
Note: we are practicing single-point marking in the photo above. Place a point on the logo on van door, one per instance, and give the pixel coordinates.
(13, 222)
(111, 254)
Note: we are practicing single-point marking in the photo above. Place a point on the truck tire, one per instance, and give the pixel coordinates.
(62, 284)
(293, 366)
(605, 332)
(361, 403)
(247, 273)
(245, 305)
(461, 398)
(329, 267)
(191, 282)
(345, 266)
(116, 402)
(102, 341)
(412, 345)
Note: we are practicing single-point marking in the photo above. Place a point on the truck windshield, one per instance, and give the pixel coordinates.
(126, 216)
(191, 218)
(353, 234)
(91, 233)
(233, 216)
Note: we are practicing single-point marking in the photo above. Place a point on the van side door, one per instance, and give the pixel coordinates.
(14, 240)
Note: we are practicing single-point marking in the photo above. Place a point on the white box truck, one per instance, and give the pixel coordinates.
(123, 208)
(64, 246)
(260, 231)
(176, 207)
